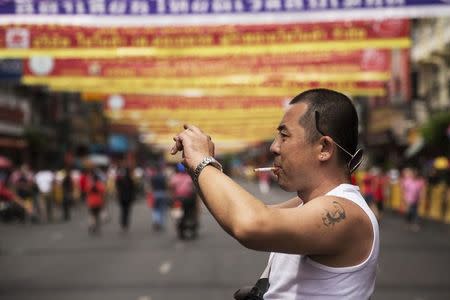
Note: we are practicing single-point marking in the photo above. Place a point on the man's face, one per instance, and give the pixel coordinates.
(293, 153)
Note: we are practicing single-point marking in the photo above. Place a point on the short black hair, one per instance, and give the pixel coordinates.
(338, 118)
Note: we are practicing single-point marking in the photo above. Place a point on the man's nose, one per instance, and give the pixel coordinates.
(274, 147)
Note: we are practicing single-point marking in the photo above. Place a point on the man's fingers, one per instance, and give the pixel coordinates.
(192, 128)
(192, 131)
(192, 135)
(174, 149)
(178, 145)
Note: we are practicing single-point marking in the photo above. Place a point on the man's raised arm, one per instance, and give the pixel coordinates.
(291, 203)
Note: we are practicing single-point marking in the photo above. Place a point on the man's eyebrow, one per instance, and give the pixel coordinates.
(282, 127)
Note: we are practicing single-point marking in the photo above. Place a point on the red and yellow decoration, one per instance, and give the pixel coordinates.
(233, 80)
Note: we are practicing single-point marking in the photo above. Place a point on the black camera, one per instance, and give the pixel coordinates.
(255, 292)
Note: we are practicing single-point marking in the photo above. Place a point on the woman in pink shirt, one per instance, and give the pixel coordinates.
(412, 188)
(183, 190)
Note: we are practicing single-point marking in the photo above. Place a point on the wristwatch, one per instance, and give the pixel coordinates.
(209, 160)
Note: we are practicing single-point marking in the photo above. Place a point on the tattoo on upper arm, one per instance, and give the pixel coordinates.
(337, 214)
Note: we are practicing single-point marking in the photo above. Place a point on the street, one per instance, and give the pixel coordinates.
(61, 261)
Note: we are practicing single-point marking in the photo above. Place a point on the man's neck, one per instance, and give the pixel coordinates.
(322, 187)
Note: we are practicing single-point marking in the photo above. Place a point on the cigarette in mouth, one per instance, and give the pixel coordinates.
(268, 169)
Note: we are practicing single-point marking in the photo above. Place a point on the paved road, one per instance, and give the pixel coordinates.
(61, 262)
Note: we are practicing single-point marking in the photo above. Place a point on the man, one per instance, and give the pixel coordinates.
(45, 180)
(18, 207)
(126, 192)
(159, 190)
(325, 242)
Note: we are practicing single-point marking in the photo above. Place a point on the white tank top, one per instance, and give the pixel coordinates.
(295, 277)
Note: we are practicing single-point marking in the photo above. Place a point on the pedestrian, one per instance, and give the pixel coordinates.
(12, 206)
(367, 187)
(22, 180)
(67, 191)
(325, 241)
(161, 198)
(126, 193)
(264, 182)
(183, 191)
(412, 189)
(84, 183)
(94, 199)
(45, 180)
(379, 183)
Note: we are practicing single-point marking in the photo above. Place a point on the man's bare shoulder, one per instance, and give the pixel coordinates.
(347, 226)
(338, 212)
(324, 225)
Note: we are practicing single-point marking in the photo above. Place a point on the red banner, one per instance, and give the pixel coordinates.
(374, 60)
(57, 37)
(136, 101)
(162, 102)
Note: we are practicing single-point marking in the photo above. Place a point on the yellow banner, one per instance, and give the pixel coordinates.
(207, 51)
(349, 89)
(244, 124)
(195, 114)
(183, 82)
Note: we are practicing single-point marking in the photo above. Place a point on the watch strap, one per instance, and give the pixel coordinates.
(209, 160)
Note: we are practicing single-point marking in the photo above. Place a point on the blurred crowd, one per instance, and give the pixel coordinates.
(406, 191)
(47, 196)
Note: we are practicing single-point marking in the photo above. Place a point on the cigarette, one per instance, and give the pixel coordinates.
(268, 169)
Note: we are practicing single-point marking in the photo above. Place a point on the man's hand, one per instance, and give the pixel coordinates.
(195, 145)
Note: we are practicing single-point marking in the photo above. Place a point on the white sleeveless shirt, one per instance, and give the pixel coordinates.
(298, 277)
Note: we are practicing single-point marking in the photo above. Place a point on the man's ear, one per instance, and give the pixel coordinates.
(326, 148)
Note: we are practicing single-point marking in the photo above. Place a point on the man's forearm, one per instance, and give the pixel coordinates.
(233, 207)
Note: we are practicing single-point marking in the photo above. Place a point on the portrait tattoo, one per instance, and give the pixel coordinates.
(330, 218)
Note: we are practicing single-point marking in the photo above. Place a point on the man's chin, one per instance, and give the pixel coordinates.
(286, 188)
(290, 190)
